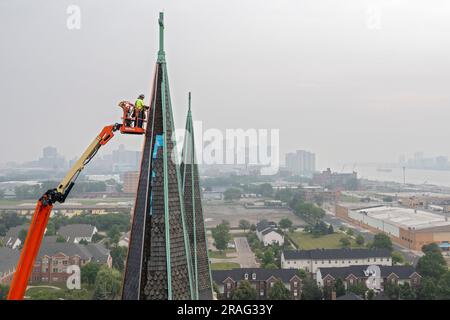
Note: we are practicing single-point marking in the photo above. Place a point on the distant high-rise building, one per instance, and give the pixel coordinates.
(130, 181)
(301, 162)
(49, 152)
(51, 159)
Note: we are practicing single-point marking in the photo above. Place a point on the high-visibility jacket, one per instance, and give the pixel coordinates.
(139, 104)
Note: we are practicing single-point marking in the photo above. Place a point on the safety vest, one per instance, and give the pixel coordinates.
(139, 104)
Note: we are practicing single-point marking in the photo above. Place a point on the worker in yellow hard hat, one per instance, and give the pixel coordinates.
(139, 108)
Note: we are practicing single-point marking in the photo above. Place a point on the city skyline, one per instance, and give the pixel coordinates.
(378, 89)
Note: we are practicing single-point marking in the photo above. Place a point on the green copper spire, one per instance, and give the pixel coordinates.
(161, 53)
(202, 285)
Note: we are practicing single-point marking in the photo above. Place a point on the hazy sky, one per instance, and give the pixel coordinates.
(350, 80)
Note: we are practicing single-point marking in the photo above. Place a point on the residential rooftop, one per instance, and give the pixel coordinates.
(73, 231)
(403, 272)
(343, 253)
(8, 259)
(261, 274)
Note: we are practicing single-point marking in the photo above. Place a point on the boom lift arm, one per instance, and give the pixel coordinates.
(42, 213)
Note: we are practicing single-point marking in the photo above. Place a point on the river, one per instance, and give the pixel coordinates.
(412, 176)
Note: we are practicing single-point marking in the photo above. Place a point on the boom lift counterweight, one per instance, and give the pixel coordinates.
(45, 204)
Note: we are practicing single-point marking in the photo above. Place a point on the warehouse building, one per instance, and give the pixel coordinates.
(408, 227)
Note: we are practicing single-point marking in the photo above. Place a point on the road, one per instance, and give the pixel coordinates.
(410, 255)
(245, 256)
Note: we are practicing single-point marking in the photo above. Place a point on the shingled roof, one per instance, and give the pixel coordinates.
(72, 231)
(99, 253)
(8, 259)
(261, 274)
(93, 252)
(12, 234)
(403, 272)
(264, 224)
(331, 254)
(269, 231)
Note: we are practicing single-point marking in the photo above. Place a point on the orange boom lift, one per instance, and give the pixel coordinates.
(45, 203)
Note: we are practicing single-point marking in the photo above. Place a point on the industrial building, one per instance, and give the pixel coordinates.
(408, 227)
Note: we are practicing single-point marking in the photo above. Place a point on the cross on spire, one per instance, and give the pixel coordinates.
(161, 53)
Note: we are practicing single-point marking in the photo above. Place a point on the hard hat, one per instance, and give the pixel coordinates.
(141, 96)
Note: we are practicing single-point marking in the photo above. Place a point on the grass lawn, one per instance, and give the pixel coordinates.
(220, 254)
(224, 265)
(330, 241)
(348, 198)
(48, 293)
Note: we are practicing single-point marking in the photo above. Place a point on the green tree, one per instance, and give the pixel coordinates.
(22, 235)
(265, 190)
(3, 230)
(345, 242)
(358, 288)
(3, 291)
(308, 211)
(279, 292)
(428, 290)
(285, 223)
(302, 274)
(397, 258)
(221, 236)
(310, 290)
(382, 241)
(392, 291)
(360, 240)
(244, 224)
(330, 229)
(51, 230)
(406, 292)
(118, 255)
(97, 237)
(432, 265)
(253, 227)
(232, 194)
(268, 257)
(114, 234)
(244, 291)
(339, 287)
(444, 286)
(431, 247)
(60, 239)
(89, 272)
(350, 232)
(271, 266)
(107, 284)
(370, 294)
(83, 242)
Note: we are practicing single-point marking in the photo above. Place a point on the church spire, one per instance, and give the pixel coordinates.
(161, 53)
